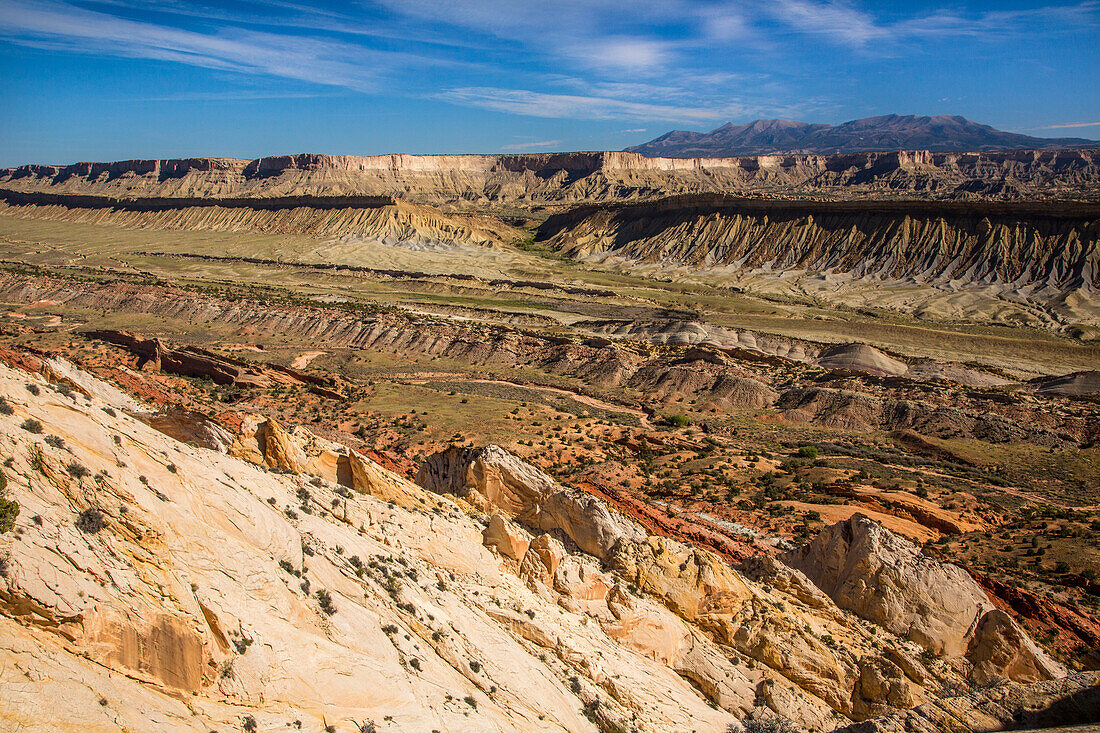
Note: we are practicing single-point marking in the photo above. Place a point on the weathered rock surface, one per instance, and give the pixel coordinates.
(936, 243)
(773, 614)
(171, 570)
(61, 371)
(492, 479)
(477, 180)
(861, 358)
(188, 426)
(1077, 384)
(885, 578)
(181, 601)
(1070, 701)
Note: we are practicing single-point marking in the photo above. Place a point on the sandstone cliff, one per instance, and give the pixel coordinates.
(555, 178)
(1024, 248)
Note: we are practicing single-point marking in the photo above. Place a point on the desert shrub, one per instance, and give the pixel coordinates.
(5, 408)
(77, 470)
(31, 426)
(767, 725)
(324, 600)
(9, 509)
(91, 520)
(241, 642)
(33, 389)
(678, 421)
(808, 451)
(55, 441)
(171, 468)
(248, 724)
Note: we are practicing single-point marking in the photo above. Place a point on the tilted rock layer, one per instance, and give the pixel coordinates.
(151, 582)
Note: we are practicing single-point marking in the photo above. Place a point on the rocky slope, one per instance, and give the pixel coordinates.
(170, 585)
(295, 583)
(1073, 702)
(939, 133)
(518, 182)
(885, 578)
(380, 219)
(1024, 248)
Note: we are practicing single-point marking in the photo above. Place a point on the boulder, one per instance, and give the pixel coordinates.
(494, 480)
(886, 579)
(1002, 650)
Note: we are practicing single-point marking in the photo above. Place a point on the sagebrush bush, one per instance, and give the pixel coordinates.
(91, 520)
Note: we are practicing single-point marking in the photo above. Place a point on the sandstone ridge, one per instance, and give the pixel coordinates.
(555, 178)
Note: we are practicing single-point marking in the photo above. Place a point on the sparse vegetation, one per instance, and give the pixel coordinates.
(324, 601)
(77, 470)
(9, 509)
(91, 520)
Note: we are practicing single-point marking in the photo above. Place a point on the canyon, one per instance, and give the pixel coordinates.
(577, 441)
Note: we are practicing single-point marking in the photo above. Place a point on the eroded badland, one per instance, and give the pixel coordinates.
(559, 442)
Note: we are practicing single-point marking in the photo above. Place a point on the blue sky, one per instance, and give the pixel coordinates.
(117, 79)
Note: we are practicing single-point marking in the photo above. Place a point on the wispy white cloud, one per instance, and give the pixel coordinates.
(664, 60)
(1066, 125)
(842, 22)
(59, 25)
(540, 145)
(572, 106)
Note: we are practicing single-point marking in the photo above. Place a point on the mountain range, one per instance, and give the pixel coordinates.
(939, 133)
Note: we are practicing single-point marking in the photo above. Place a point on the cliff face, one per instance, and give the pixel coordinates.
(380, 219)
(572, 177)
(947, 244)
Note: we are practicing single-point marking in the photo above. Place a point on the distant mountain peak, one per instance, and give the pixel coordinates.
(938, 133)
